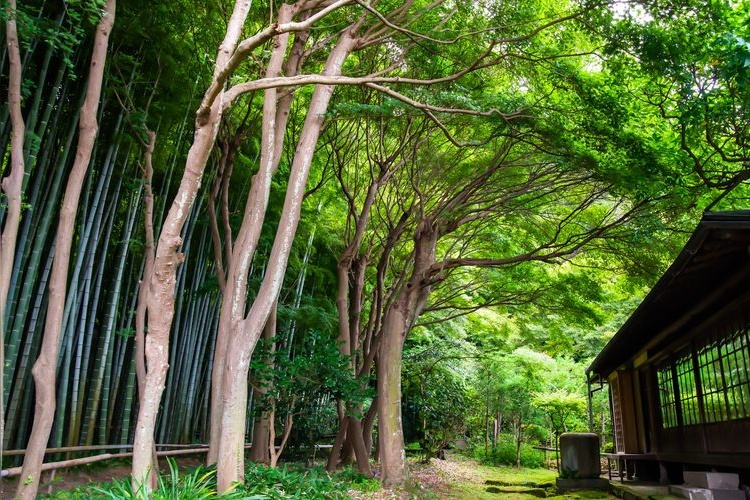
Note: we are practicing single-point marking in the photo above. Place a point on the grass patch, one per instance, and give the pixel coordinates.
(521, 477)
(505, 454)
(504, 482)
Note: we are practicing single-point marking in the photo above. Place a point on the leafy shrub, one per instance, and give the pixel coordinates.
(536, 433)
(357, 481)
(261, 483)
(195, 485)
(505, 453)
(279, 483)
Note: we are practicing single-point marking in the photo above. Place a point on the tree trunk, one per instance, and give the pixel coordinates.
(260, 445)
(367, 425)
(390, 431)
(230, 464)
(338, 442)
(12, 187)
(44, 368)
(288, 422)
(399, 319)
(361, 453)
(163, 280)
(12, 184)
(519, 435)
(148, 268)
(235, 288)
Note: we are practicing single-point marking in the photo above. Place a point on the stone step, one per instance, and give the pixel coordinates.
(693, 493)
(712, 480)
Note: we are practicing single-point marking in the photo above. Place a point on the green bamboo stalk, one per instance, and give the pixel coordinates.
(77, 308)
(105, 417)
(93, 210)
(20, 403)
(29, 145)
(209, 323)
(102, 377)
(78, 433)
(125, 430)
(42, 233)
(31, 217)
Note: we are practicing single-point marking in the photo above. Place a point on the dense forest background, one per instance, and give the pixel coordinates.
(409, 222)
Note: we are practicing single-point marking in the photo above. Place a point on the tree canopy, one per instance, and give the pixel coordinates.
(442, 209)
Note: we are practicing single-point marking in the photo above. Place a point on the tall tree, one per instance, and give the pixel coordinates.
(162, 282)
(45, 366)
(11, 186)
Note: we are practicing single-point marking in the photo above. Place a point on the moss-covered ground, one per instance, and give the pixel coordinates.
(466, 479)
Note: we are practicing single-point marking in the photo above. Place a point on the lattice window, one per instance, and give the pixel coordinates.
(736, 366)
(688, 392)
(666, 397)
(712, 382)
(724, 365)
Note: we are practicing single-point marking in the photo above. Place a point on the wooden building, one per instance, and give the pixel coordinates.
(679, 368)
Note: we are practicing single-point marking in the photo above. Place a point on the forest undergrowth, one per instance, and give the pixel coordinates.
(457, 477)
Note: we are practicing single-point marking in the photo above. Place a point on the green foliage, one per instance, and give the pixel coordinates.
(505, 453)
(355, 480)
(565, 410)
(280, 483)
(437, 399)
(197, 484)
(690, 63)
(317, 368)
(260, 483)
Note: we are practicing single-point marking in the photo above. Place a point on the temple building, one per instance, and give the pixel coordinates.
(679, 368)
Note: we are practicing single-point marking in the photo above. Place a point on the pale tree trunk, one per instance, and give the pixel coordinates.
(261, 431)
(11, 186)
(234, 298)
(44, 368)
(497, 427)
(486, 427)
(230, 464)
(148, 268)
(163, 279)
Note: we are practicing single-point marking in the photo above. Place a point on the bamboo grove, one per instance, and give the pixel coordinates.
(264, 199)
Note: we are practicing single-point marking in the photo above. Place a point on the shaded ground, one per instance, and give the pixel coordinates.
(455, 478)
(462, 478)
